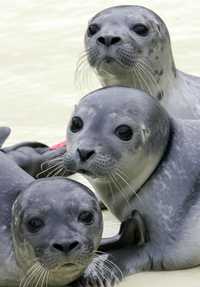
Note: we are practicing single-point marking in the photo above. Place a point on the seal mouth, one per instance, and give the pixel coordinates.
(68, 265)
(108, 59)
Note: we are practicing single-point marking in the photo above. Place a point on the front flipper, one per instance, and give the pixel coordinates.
(132, 232)
(4, 134)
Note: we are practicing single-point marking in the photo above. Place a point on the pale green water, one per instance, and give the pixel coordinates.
(40, 42)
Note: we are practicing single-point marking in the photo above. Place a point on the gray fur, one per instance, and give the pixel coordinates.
(158, 175)
(34, 157)
(143, 62)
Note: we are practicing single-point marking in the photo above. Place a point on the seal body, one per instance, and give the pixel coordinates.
(12, 181)
(130, 46)
(139, 158)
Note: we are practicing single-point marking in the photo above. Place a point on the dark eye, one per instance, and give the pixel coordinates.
(124, 132)
(92, 30)
(86, 217)
(34, 224)
(76, 124)
(140, 29)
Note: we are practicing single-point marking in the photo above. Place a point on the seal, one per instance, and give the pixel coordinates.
(130, 46)
(137, 157)
(51, 228)
(56, 228)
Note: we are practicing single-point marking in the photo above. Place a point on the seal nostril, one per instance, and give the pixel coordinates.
(66, 247)
(85, 154)
(59, 247)
(101, 40)
(108, 40)
(115, 40)
(73, 245)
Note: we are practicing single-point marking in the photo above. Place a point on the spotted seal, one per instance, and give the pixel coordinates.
(130, 46)
(137, 157)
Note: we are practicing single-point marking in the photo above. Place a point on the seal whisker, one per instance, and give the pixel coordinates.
(143, 80)
(44, 278)
(46, 170)
(129, 186)
(58, 171)
(29, 272)
(30, 275)
(115, 266)
(119, 188)
(111, 189)
(82, 68)
(47, 279)
(35, 276)
(40, 277)
(52, 172)
(48, 162)
(147, 72)
(109, 267)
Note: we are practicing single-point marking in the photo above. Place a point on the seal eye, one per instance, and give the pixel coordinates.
(124, 132)
(76, 124)
(34, 224)
(140, 29)
(92, 29)
(86, 217)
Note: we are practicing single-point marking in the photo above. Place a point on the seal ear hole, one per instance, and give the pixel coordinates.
(86, 217)
(76, 124)
(92, 29)
(140, 29)
(124, 132)
(34, 224)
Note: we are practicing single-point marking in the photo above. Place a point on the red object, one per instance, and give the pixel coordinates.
(59, 145)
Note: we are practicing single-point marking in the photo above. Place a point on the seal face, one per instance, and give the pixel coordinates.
(57, 231)
(130, 46)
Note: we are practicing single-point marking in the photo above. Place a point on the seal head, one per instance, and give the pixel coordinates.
(113, 130)
(56, 231)
(130, 46)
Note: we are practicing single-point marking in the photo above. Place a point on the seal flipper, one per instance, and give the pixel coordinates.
(4, 134)
(132, 231)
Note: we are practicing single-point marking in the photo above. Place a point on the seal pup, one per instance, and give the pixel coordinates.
(56, 228)
(137, 157)
(130, 46)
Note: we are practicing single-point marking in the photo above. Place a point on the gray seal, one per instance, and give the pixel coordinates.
(130, 46)
(137, 157)
(56, 228)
